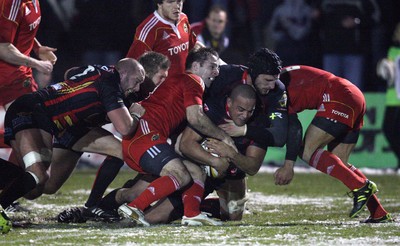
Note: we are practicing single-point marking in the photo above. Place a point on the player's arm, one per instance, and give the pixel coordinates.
(272, 135)
(249, 163)
(45, 53)
(10, 54)
(189, 146)
(284, 174)
(122, 120)
(196, 118)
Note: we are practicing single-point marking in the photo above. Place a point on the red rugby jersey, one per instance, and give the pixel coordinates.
(157, 34)
(166, 106)
(19, 22)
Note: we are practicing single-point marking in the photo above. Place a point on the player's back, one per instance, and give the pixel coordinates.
(305, 86)
(166, 106)
(84, 98)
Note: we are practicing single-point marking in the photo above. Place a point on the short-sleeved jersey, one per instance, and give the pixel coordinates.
(157, 34)
(19, 22)
(84, 99)
(166, 106)
(333, 97)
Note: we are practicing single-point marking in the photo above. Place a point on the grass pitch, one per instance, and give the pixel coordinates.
(312, 210)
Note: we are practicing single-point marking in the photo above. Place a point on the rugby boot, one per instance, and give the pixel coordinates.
(387, 218)
(96, 213)
(361, 196)
(133, 214)
(5, 222)
(199, 220)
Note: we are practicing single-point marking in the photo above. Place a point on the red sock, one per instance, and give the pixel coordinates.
(156, 190)
(191, 199)
(330, 164)
(374, 206)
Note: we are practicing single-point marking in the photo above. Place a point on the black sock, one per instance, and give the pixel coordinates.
(17, 189)
(105, 175)
(8, 172)
(109, 202)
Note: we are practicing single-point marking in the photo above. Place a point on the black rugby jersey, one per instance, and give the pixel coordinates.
(84, 98)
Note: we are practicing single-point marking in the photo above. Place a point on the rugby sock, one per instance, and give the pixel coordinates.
(330, 164)
(191, 199)
(8, 172)
(156, 190)
(105, 175)
(109, 201)
(18, 188)
(211, 206)
(374, 206)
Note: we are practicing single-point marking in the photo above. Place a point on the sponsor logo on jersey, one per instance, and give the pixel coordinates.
(275, 114)
(34, 24)
(185, 28)
(341, 114)
(178, 49)
(155, 137)
(165, 35)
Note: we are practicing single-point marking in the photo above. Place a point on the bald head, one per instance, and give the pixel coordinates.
(241, 103)
(131, 73)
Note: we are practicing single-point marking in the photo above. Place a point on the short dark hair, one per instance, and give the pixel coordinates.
(244, 90)
(156, 2)
(264, 61)
(153, 61)
(199, 55)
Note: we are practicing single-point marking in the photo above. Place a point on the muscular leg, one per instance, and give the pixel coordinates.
(343, 151)
(315, 140)
(33, 151)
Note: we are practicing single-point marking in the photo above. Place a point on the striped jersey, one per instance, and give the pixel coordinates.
(157, 34)
(84, 99)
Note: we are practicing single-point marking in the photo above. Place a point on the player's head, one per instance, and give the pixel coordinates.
(156, 66)
(241, 103)
(204, 63)
(169, 9)
(216, 20)
(131, 73)
(264, 68)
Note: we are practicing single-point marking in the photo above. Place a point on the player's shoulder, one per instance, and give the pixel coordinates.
(10, 8)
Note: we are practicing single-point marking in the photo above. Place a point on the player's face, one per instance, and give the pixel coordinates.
(265, 82)
(241, 109)
(216, 23)
(209, 70)
(130, 81)
(170, 9)
(159, 77)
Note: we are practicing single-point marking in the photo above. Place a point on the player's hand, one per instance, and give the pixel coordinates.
(45, 67)
(221, 164)
(284, 174)
(137, 109)
(46, 53)
(220, 148)
(232, 129)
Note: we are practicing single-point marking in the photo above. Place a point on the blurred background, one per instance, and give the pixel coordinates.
(300, 31)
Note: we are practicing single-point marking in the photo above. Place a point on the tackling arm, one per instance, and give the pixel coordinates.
(197, 118)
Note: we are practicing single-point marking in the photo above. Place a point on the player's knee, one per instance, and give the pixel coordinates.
(33, 157)
(180, 173)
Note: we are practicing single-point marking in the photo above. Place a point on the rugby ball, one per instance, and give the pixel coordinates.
(210, 171)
